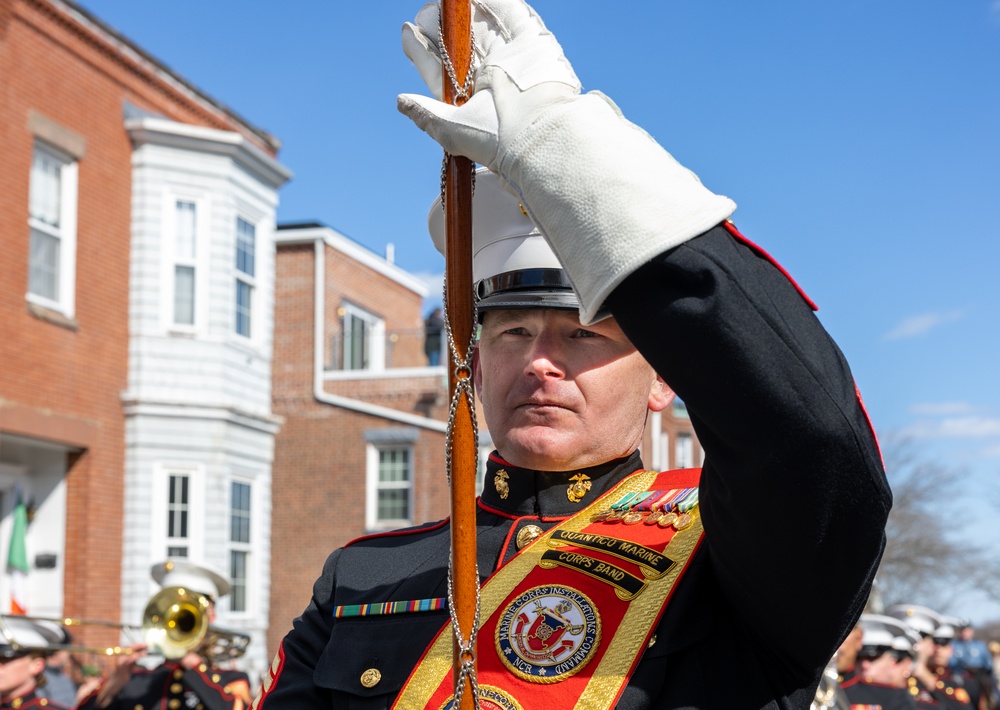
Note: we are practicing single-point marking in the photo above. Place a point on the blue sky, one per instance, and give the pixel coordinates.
(858, 138)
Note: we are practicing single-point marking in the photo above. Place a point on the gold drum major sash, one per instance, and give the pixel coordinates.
(568, 618)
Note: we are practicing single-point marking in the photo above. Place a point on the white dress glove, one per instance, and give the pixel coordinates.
(606, 196)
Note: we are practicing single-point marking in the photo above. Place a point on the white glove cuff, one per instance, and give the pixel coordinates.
(606, 196)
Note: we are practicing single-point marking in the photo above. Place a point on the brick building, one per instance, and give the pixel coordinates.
(136, 218)
(362, 443)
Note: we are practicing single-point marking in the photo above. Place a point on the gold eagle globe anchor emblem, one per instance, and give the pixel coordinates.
(579, 488)
(500, 483)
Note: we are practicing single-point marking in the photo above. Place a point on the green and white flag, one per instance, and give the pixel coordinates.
(17, 560)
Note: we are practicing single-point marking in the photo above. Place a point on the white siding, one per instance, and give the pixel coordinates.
(198, 398)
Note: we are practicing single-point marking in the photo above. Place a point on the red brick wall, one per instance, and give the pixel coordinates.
(318, 490)
(62, 380)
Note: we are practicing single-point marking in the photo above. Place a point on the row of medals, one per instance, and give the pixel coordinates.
(680, 501)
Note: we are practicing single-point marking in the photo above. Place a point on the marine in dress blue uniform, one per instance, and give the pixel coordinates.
(790, 453)
(932, 683)
(884, 664)
(187, 682)
(24, 644)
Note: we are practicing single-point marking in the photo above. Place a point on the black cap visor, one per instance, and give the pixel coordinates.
(527, 288)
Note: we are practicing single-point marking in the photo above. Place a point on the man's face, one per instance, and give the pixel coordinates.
(887, 670)
(559, 396)
(847, 654)
(942, 653)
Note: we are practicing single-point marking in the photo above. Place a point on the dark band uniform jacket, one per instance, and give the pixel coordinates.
(31, 701)
(866, 694)
(793, 501)
(170, 685)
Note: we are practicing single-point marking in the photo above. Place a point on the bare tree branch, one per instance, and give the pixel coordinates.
(926, 561)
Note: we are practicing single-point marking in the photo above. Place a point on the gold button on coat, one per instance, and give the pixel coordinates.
(527, 535)
(371, 677)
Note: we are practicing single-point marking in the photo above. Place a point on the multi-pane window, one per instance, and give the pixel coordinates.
(363, 336)
(178, 514)
(185, 253)
(239, 538)
(52, 223)
(246, 235)
(392, 506)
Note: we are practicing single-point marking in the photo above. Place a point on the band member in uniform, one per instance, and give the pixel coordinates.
(847, 655)
(610, 281)
(187, 682)
(932, 682)
(884, 664)
(23, 648)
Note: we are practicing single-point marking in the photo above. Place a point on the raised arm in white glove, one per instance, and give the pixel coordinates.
(606, 196)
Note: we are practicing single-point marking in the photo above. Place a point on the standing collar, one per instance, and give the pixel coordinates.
(526, 492)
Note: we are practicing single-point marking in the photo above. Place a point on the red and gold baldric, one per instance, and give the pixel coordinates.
(567, 619)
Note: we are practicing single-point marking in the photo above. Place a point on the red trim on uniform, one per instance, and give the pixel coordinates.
(495, 511)
(731, 228)
(167, 682)
(861, 679)
(509, 516)
(503, 548)
(93, 694)
(273, 674)
(864, 410)
(397, 533)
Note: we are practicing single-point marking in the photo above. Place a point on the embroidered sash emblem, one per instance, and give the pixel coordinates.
(490, 698)
(548, 633)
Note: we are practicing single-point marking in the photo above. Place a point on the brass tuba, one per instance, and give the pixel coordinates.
(176, 622)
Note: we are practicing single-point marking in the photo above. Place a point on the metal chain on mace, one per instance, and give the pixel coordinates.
(455, 42)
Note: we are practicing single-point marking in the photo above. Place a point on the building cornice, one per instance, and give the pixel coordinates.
(160, 131)
(286, 236)
(266, 423)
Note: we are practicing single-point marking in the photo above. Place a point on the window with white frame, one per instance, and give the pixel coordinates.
(178, 515)
(239, 545)
(390, 479)
(662, 461)
(185, 256)
(246, 236)
(362, 339)
(684, 451)
(52, 222)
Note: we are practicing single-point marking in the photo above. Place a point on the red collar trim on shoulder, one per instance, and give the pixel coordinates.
(512, 516)
(731, 228)
(397, 533)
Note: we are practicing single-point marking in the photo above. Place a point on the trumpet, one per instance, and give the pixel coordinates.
(174, 623)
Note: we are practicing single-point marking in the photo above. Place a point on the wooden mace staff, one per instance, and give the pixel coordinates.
(456, 30)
